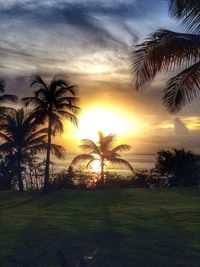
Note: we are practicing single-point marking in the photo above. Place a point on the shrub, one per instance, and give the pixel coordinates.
(182, 167)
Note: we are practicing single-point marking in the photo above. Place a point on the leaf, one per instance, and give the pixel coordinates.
(182, 88)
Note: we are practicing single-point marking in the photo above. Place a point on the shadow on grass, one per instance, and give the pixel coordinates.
(153, 238)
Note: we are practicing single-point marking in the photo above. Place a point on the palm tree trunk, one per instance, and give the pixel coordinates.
(102, 173)
(19, 172)
(46, 178)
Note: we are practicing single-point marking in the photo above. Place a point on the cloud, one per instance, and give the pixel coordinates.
(180, 128)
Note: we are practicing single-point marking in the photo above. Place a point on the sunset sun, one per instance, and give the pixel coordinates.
(94, 120)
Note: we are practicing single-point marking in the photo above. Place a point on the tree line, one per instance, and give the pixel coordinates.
(23, 131)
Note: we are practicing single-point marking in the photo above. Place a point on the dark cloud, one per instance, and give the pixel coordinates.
(82, 16)
(4, 52)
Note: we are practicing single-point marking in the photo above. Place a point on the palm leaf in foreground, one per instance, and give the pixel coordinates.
(188, 11)
(167, 50)
(182, 88)
(164, 50)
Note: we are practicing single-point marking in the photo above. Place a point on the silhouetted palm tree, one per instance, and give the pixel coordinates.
(5, 97)
(52, 102)
(19, 134)
(103, 151)
(165, 50)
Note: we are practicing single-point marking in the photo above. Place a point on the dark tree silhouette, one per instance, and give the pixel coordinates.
(181, 166)
(20, 133)
(52, 102)
(165, 50)
(103, 151)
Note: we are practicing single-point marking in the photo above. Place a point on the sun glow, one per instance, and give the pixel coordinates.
(95, 166)
(94, 120)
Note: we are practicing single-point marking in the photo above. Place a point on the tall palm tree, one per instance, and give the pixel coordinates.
(103, 152)
(52, 102)
(165, 50)
(5, 97)
(20, 134)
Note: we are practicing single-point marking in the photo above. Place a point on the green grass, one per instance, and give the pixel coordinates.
(133, 227)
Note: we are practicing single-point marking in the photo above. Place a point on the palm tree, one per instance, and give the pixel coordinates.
(103, 152)
(20, 134)
(5, 97)
(52, 102)
(165, 50)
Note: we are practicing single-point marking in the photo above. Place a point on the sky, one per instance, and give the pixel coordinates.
(90, 43)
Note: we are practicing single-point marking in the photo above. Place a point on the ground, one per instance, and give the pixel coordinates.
(132, 227)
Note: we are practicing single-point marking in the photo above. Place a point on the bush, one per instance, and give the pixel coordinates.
(62, 180)
(180, 166)
(74, 179)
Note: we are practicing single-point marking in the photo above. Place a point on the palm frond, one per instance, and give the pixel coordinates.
(72, 118)
(5, 110)
(82, 157)
(163, 51)
(57, 126)
(38, 148)
(37, 133)
(64, 87)
(182, 88)
(5, 137)
(106, 142)
(89, 146)
(58, 150)
(121, 162)
(66, 107)
(33, 101)
(8, 98)
(121, 148)
(19, 129)
(68, 99)
(188, 11)
(7, 146)
(36, 141)
(37, 80)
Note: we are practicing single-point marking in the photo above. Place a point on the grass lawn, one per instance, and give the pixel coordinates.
(132, 227)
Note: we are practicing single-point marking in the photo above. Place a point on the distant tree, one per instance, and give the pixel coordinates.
(165, 50)
(103, 152)
(20, 134)
(52, 102)
(182, 167)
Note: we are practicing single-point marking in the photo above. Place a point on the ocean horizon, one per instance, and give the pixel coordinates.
(138, 161)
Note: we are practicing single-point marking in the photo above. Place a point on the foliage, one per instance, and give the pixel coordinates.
(181, 166)
(51, 103)
(80, 179)
(165, 50)
(8, 174)
(32, 169)
(102, 152)
(63, 180)
(76, 179)
(20, 134)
